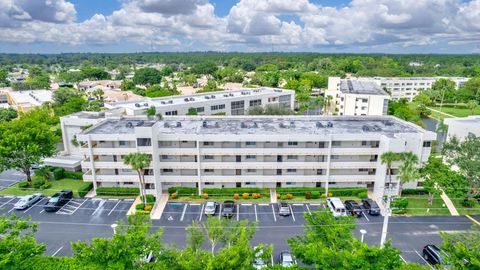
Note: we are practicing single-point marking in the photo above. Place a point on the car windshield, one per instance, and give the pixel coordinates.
(259, 261)
(22, 201)
(54, 199)
(287, 258)
(209, 205)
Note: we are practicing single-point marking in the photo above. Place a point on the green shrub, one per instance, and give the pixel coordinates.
(414, 191)
(58, 173)
(308, 195)
(362, 195)
(283, 197)
(44, 173)
(468, 203)
(37, 183)
(83, 190)
(182, 191)
(399, 205)
(117, 191)
(150, 198)
(232, 191)
(323, 196)
(73, 175)
(315, 195)
(140, 206)
(335, 191)
(23, 185)
(47, 185)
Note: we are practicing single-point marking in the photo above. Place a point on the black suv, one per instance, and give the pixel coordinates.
(58, 200)
(371, 207)
(228, 209)
(433, 254)
(353, 208)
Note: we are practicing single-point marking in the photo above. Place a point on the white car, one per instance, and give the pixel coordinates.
(210, 208)
(27, 201)
(286, 259)
(258, 262)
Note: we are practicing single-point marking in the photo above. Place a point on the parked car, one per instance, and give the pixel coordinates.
(336, 207)
(286, 259)
(434, 255)
(371, 207)
(353, 208)
(58, 200)
(228, 209)
(258, 262)
(284, 210)
(211, 208)
(27, 201)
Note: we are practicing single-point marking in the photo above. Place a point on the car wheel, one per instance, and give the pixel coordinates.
(425, 256)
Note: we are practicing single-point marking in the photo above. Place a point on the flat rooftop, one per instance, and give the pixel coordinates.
(361, 87)
(216, 125)
(34, 97)
(195, 98)
(420, 78)
(470, 120)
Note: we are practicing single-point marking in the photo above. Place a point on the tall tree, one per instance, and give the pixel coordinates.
(7, 114)
(463, 248)
(139, 162)
(147, 76)
(26, 141)
(215, 231)
(388, 158)
(408, 170)
(472, 105)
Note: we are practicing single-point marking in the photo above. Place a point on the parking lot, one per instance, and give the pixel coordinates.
(79, 219)
(9, 178)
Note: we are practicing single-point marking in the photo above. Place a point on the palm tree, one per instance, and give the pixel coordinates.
(139, 162)
(327, 103)
(388, 158)
(408, 171)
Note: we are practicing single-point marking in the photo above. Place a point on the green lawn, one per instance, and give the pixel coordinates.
(418, 206)
(458, 112)
(57, 185)
(466, 211)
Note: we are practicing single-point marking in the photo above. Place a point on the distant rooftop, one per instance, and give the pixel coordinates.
(188, 99)
(420, 78)
(386, 125)
(33, 97)
(348, 86)
(473, 120)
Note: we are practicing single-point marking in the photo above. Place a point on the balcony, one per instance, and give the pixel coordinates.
(353, 165)
(263, 165)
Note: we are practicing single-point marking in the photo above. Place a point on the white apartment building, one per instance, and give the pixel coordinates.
(463, 127)
(225, 102)
(250, 151)
(356, 97)
(408, 87)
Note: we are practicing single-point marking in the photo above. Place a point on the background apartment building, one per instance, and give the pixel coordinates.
(356, 97)
(408, 87)
(224, 102)
(463, 127)
(250, 151)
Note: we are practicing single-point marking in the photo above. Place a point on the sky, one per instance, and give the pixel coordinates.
(324, 26)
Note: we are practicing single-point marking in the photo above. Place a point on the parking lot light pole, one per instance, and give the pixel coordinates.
(385, 217)
(363, 232)
(114, 227)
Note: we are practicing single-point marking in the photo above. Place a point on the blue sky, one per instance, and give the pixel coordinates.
(363, 26)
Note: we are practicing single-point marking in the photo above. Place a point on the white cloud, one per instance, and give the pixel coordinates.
(253, 24)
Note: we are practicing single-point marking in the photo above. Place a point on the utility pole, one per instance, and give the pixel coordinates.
(385, 218)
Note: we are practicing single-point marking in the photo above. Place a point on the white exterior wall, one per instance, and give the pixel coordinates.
(340, 163)
(463, 127)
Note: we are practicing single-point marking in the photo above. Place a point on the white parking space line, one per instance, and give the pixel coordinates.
(111, 211)
(363, 213)
(9, 180)
(9, 211)
(43, 210)
(58, 250)
(308, 209)
(255, 208)
(403, 259)
(39, 201)
(263, 204)
(315, 204)
(195, 204)
(423, 259)
(1, 206)
(183, 213)
(238, 212)
(201, 212)
(102, 202)
(246, 204)
(291, 211)
(297, 204)
(273, 212)
(128, 200)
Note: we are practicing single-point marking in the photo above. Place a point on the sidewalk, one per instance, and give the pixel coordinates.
(273, 195)
(91, 194)
(449, 204)
(159, 206)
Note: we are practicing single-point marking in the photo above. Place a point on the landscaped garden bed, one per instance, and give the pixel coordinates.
(186, 194)
(313, 194)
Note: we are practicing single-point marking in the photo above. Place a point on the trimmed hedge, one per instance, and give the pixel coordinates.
(150, 198)
(58, 173)
(335, 191)
(182, 191)
(187, 191)
(414, 191)
(73, 175)
(118, 191)
(83, 190)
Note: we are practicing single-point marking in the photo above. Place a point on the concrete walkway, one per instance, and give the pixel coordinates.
(273, 195)
(437, 111)
(380, 202)
(133, 209)
(449, 204)
(91, 194)
(159, 206)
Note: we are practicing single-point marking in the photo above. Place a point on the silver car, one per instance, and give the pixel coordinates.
(286, 259)
(27, 201)
(284, 209)
(211, 208)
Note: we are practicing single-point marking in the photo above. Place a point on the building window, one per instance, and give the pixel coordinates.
(209, 183)
(217, 107)
(167, 170)
(165, 143)
(250, 143)
(149, 186)
(207, 143)
(208, 170)
(336, 143)
(250, 183)
(255, 102)
(165, 157)
(128, 183)
(126, 170)
(122, 143)
(238, 104)
(291, 170)
(144, 142)
(200, 109)
(427, 144)
(293, 143)
(290, 183)
(171, 113)
(251, 157)
(208, 157)
(292, 157)
(363, 170)
(251, 170)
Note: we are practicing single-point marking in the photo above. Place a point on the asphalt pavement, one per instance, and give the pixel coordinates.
(10, 177)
